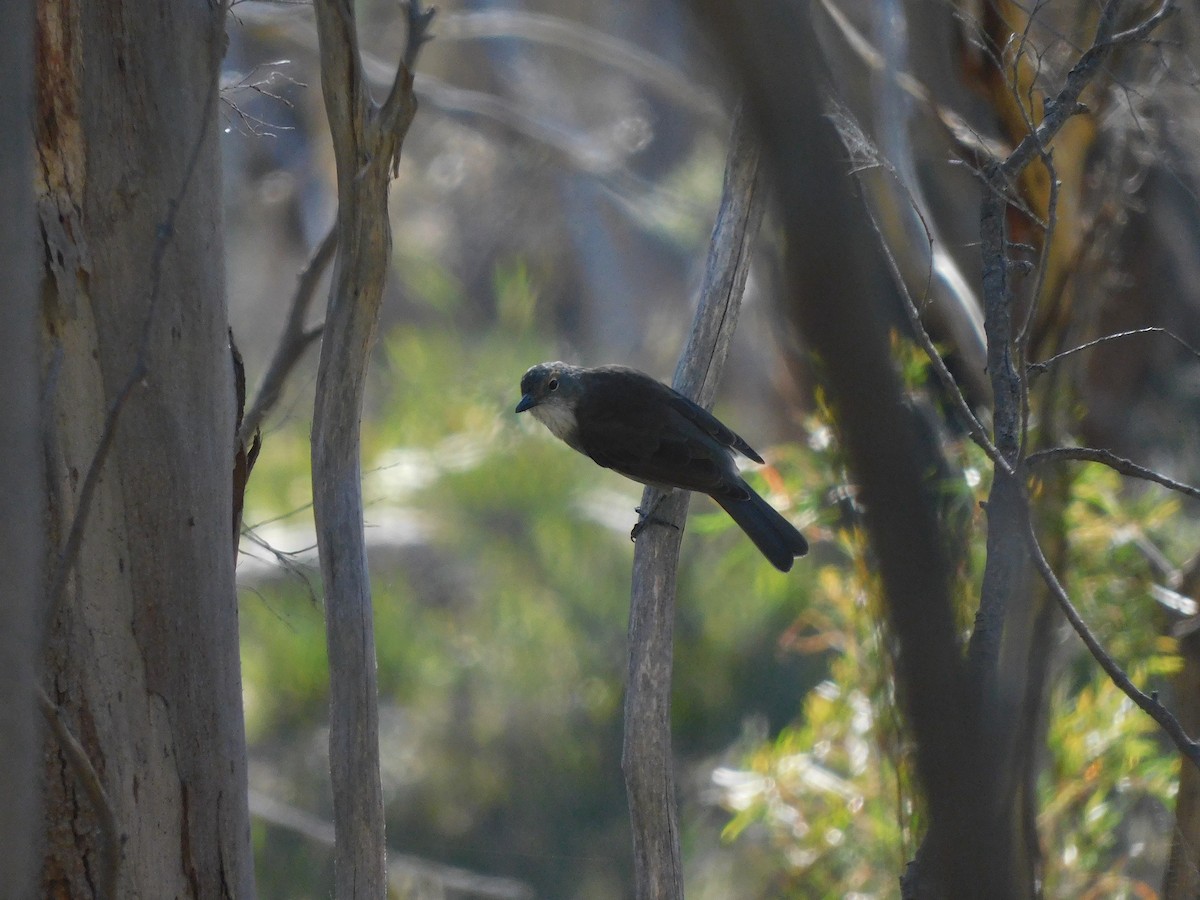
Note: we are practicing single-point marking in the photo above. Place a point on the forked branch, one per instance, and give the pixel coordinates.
(366, 141)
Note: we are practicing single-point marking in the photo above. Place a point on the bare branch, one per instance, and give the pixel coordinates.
(1141, 31)
(255, 125)
(975, 428)
(949, 384)
(1114, 462)
(400, 106)
(419, 21)
(294, 340)
(1038, 367)
(1065, 104)
(249, 82)
(1147, 702)
(289, 561)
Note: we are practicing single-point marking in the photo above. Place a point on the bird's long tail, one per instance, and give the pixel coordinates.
(776, 537)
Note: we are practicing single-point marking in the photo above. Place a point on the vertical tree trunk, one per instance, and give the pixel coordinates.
(141, 655)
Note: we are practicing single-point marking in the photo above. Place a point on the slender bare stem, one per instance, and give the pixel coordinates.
(294, 340)
(1148, 703)
(1039, 367)
(1114, 462)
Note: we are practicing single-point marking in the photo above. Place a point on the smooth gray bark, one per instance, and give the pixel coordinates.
(367, 138)
(646, 757)
(145, 763)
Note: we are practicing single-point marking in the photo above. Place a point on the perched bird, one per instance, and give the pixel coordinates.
(629, 422)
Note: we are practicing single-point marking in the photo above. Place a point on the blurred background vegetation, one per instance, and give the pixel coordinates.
(555, 201)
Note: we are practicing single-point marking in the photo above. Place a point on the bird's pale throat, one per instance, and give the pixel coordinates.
(559, 418)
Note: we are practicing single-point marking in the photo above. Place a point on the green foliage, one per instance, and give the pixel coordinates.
(516, 298)
(833, 794)
(1111, 772)
(428, 282)
(830, 795)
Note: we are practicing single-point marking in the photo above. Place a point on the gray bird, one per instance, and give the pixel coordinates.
(633, 424)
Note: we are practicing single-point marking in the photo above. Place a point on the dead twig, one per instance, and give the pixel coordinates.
(849, 130)
(294, 340)
(1148, 703)
(1039, 367)
(1065, 104)
(1114, 462)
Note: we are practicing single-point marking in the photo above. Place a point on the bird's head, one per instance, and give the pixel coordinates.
(551, 391)
(550, 384)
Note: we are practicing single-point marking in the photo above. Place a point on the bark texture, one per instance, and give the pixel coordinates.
(646, 753)
(141, 659)
(367, 138)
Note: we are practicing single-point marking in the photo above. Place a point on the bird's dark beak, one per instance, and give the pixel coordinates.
(527, 402)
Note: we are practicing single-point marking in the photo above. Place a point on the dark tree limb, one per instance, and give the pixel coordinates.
(646, 759)
(834, 306)
(921, 335)
(294, 340)
(1006, 599)
(1181, 881)
(969, 849)
(1003, 578)
(366, 140)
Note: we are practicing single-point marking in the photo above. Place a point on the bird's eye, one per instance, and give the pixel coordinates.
(552, 384)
